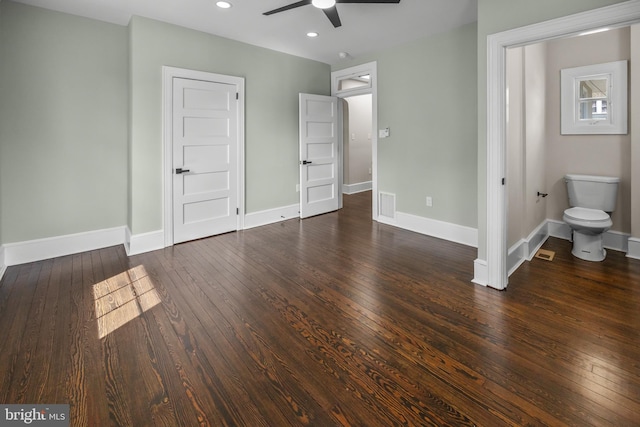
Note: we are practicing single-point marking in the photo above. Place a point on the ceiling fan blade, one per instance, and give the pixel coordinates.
(332, 14)
(288, 7)
(367, 1)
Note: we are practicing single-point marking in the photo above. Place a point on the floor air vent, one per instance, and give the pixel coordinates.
(387, 205)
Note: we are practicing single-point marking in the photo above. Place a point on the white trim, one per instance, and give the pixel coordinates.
(480, 272)
(525, 249)
(145, 242)
(617, 15)
(558, 229)
(614, 240)
(536, 239)
(370, 68)
(443, 230)
(52, 247)
(357, 188)
(615, 122)
(270, 216)
(3, 266)
(515, 256)
(168, 74)
(633, 245)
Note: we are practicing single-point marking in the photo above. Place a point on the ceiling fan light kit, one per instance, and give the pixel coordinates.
(323, 4)
(328, 7)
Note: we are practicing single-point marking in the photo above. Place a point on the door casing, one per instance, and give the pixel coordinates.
(492, 270)
(168, 74)
(371, 69)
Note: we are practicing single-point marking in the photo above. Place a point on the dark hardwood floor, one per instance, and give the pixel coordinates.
(334, 320)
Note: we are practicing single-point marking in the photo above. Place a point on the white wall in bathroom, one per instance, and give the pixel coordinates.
(526, 140)
(357, 141)
(537, 100)
(515, 146)
(585, 154)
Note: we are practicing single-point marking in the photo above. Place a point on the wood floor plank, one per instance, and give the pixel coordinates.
(331, 320)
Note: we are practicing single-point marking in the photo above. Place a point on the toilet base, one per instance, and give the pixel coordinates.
(588, 246)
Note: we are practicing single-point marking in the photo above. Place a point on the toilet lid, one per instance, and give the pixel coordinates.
(586, 214)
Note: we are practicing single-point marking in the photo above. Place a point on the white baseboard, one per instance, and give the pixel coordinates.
(136, 244)
(614, 240)
(480, 272)
(633, 245)
(357, 188)
(443, 230)
(558, 229)
(270, 216)
(516, 256)
(40, 249)
(3, 266)
(525, 249)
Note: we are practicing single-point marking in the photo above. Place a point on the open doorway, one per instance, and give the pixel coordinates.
(540, 155)
(492, 270)
(356, 136)
(357, 88)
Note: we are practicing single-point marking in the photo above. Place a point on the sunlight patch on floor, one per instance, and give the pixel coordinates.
(122, 298)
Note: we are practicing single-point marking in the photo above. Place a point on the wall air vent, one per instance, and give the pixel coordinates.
(387, 205)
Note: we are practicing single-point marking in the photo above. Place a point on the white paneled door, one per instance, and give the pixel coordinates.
(319, 184)
(205, 153)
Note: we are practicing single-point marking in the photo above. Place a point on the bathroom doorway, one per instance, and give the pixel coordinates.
(357, 148)
(539, 156)
(491, 267)
(357, 88)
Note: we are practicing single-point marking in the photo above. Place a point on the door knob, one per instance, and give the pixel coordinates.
(306, 162)
(180, 170)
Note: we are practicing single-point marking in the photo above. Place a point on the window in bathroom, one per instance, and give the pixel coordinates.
(594, 99)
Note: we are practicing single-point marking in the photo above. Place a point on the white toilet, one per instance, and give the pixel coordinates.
(592, 199)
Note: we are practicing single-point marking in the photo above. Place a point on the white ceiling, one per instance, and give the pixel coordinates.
(365, 27)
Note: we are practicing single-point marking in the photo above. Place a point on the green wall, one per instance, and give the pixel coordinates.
(495, 16)
(81, 119)
(272, 83)
(63, 123)
(427, 96)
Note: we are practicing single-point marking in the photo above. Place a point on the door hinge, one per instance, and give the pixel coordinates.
(237, 95)
(503, 181)
(237, 211)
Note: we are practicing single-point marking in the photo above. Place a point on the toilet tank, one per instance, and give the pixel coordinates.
(591, 191)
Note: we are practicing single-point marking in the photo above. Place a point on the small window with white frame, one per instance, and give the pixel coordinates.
(594, 99)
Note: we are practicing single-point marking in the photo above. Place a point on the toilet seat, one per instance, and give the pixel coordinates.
(588, 217)
(586, 214)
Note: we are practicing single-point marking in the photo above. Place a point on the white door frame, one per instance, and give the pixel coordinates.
(493, 271)
(168, 74)
(370, 68)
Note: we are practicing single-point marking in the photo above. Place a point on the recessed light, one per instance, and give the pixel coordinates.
(223, 4)
(312, 34)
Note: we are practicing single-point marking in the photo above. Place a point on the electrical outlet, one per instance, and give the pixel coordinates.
(429, 201)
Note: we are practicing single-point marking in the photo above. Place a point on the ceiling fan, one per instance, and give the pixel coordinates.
(327, 6)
